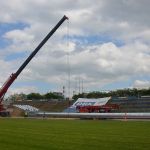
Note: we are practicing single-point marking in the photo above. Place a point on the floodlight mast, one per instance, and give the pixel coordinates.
(13, 76)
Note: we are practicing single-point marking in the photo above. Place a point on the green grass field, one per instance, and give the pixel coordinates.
(36, 134)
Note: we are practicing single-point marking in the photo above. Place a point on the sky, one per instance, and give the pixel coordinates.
(104, 45)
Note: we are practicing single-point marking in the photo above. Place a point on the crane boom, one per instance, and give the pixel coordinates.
(13, 76)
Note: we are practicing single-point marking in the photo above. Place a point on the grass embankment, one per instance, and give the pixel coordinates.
(51, 106)
(36, 134)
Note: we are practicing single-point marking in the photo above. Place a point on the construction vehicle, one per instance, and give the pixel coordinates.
(11, 79)
(97, 109)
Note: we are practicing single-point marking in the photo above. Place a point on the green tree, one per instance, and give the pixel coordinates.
(51, 95)
(32, 96)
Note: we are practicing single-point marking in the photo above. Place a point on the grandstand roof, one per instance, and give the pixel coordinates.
(91, 102)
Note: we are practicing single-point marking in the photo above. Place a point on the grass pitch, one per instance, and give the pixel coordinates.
(36, 134)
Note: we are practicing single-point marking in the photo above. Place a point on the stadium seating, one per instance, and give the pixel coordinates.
(128, 104)
(27, 108)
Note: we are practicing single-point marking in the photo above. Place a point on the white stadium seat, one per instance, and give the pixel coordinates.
(27, 108)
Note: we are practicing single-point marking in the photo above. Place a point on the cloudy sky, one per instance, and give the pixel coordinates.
(106, 42)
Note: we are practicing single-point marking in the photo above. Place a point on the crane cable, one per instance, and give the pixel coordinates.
(68, 61)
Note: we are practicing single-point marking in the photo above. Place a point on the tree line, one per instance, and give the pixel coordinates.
(117, 93)
(95, 94)
(35, 96)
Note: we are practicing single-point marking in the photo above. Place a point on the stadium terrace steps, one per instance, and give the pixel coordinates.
(51, 106)
(131, 104)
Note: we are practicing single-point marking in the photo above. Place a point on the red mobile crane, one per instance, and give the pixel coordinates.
(13, 76)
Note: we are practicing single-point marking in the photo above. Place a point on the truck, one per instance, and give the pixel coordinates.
(97, 109)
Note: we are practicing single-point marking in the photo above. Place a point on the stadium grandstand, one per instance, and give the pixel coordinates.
(48, 106)
(100, 106)
(111, 104)
(131, 104)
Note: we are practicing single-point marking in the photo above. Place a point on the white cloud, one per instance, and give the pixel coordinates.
(98, 64)
(141, 84)
(5, 72)
(18, 36)
(23, 89)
